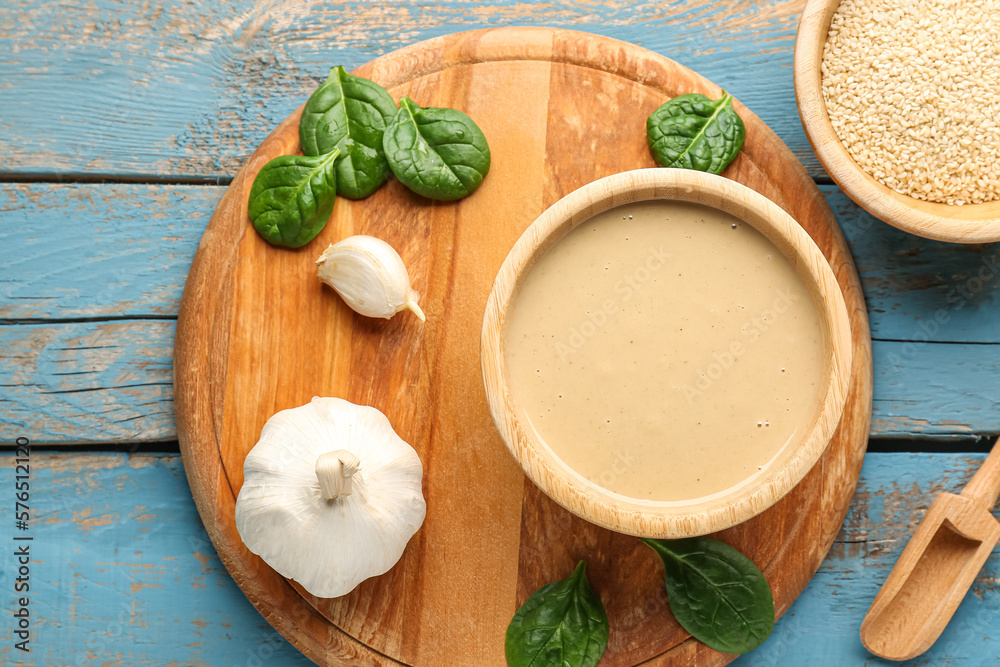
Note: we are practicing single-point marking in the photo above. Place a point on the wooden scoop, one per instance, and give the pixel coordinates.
(936, 568)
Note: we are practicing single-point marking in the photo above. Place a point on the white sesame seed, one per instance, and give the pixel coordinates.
(913, 92)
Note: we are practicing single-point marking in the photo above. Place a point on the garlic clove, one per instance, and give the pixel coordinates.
(370, 277)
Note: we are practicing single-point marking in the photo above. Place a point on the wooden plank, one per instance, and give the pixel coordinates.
(188, 89)
(100, 382)
(935, 390)
(98, 250)
(123, 251)
(142, 584)
(111, 382)
(918, 289)
(122, 572)
(893, 493)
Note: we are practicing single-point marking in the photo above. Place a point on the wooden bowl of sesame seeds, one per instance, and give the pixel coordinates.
(901, 103)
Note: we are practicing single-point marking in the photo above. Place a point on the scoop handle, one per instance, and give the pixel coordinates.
(984, 487)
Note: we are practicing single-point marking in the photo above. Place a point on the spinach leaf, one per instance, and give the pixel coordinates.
(694, 132)
(349, 113)
(563, 624)
(292, 197)
(437, 153)
(716, 593)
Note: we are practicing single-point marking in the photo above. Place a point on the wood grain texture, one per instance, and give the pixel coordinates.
(126, 90)
(673, 520)
(143, 585)
(190, 89)
(937, 366)
(232, 339)
(973, 223)
(123, 250)
(87, 381)
(936, 569)
(922, 297)
(921, 290)
(893, 495)
(89, 251)
(930, 579)
(60, 388)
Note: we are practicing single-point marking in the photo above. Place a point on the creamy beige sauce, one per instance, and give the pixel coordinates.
(666, 351)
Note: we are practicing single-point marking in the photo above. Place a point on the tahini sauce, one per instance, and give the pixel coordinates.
(666, 351)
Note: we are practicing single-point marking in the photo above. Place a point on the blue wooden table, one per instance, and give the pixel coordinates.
(121, 124)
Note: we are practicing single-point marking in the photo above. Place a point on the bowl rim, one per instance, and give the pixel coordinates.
(969, 223)
(664, 519)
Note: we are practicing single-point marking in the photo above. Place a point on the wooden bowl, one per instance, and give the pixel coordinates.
(665, 519)
(971, 223)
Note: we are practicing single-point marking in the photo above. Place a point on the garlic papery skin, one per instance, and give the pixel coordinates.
(369, 275)
(330, 535)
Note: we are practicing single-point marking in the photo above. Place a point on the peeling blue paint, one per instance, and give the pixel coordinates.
(77, 251)
(123, 251)
(822, 627)
(122, 570)
(190, 89)
(147, 588)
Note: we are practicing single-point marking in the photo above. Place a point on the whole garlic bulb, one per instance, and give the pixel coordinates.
(330, 496)
(369, 275)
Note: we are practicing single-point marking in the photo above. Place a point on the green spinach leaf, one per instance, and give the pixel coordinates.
(438, 153)
(716, 593)
(563, 624)
(292, 198)
(694, 132)
(349, 113)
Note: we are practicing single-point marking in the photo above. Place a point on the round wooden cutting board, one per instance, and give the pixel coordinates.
(257, 333)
